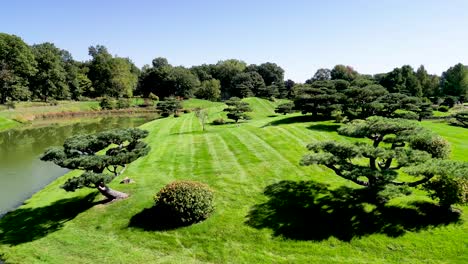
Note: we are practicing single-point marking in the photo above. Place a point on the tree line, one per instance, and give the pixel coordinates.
(44, 72)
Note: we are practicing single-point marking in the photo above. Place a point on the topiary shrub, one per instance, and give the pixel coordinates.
(443, 108)
(107, 103)
(219, 121)
(123, 103)
(153, 97)
(185, 202)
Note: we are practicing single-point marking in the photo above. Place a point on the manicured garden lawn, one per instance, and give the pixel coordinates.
(238, 161)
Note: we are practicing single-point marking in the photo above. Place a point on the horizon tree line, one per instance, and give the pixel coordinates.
(45, 72)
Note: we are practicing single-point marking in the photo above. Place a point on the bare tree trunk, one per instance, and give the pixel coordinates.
(109, 193)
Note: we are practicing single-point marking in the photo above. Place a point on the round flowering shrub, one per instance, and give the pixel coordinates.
(185, 202)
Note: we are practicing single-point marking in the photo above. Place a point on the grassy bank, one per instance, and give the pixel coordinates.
(26, 112)
(238, 162)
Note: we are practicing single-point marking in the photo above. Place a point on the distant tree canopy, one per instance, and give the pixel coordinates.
(119, 147)
(44, 71)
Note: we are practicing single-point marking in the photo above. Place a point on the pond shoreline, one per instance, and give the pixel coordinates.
(24, 175)
(28, 119)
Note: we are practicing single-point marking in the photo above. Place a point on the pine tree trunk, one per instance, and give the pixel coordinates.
(109, 193)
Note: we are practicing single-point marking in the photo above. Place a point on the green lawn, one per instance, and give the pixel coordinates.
(7, 123)
(238, 161)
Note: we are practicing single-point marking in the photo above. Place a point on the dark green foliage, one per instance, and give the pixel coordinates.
(224, 71)
(461, 118)
(402, 80)
(449, 101)
(270, 72)
(341, 72)
(164, 80)
(360, 102)
(285, 108)
(287, 89)
(153, 97)
(107, 103)
(85, 152)
(320, 97)
(209, 90)
(247, 84)
(51, 79)
(443, 108)
(219, 121)
(237, 109)
(454, 81)
(185, 202)
(395, 144)
(448, 183)
(169, 106)
(123, 103)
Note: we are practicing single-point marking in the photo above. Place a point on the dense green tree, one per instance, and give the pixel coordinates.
(402, 80)
(72, 78)
(320, 75)
(100, 70)
(203, 72)
(270, 72)
(461, 119)
(406, 146)
(209, 90)
(454, 81)
(124, 78)
(342, 72)
(320, 97)
(182, 82)
(237, 109)
(84, 152)
(169, 106)
(164, 80)
(285, 108)
(51, 78)
(247, 84)
(225, 71)
(288, 89)
(156, 79)
(360, 102)
(17, 66)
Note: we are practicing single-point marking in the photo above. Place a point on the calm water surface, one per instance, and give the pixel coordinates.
(21, 171)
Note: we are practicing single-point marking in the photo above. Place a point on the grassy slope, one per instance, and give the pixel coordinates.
(238, 162)
(7, 123)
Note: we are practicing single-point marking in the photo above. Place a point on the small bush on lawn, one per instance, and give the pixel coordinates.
(123, 103)
(107, 103)
(185, 202)
(219, 121)
(443, 108)
(153, 97)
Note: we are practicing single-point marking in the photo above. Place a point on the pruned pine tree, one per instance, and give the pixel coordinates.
(237, 109)
(102, 156)
(395, 144)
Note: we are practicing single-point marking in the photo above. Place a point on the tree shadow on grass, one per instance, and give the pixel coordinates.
(324, 127)
(297, 119)
(308, 210)
(28, 224)
(155, 219)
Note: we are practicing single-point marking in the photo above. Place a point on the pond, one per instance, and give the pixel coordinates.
(22, 173)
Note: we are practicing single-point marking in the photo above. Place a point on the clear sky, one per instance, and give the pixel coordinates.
(301, 36)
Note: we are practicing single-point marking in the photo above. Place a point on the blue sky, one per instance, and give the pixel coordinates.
(301, 36)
